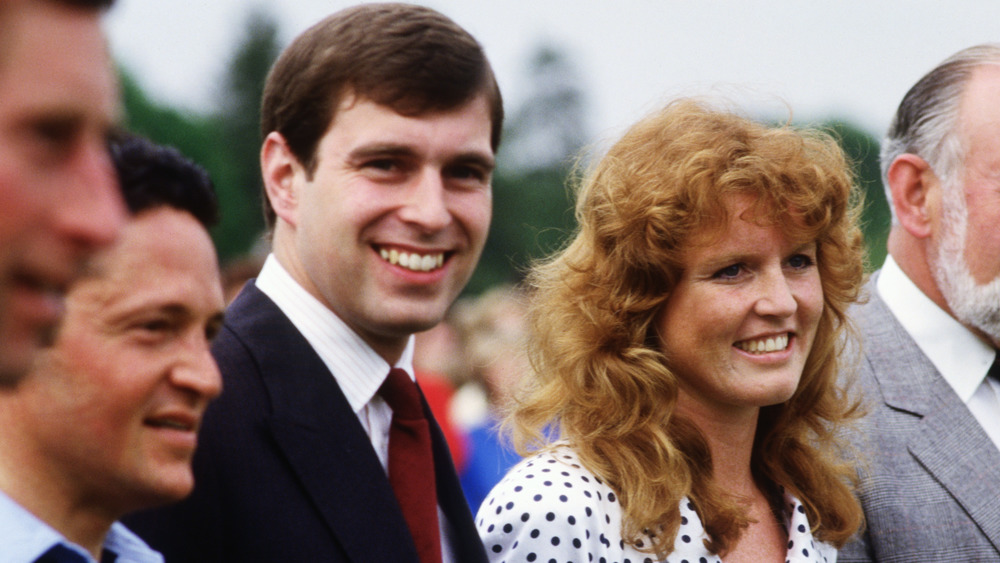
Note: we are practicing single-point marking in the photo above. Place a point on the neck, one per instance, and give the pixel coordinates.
(39, 486)
(913, 258)
(389, 347)
(730, 440)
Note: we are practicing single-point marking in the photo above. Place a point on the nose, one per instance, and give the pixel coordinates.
(426, 205)
(776, 298)
(198, 373)
(90, 211)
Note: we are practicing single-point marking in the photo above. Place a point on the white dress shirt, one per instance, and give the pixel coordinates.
(357, 368)
(962, 357)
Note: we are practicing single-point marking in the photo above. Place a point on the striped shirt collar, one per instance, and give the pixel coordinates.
(358, 369)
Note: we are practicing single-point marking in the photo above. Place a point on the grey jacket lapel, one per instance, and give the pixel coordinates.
(950, 444)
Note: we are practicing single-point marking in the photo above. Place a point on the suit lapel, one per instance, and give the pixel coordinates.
(958, 453)
(950, 443)
(322, 440)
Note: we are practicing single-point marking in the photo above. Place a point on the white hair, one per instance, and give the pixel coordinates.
(926, 122)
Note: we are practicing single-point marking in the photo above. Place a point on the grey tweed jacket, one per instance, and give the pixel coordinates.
(930, 474)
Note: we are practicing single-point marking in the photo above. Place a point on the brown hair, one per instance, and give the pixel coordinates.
(409, 58)
(601, 379)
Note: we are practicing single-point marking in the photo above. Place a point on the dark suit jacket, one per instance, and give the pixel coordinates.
(284, 471)
(930, 474)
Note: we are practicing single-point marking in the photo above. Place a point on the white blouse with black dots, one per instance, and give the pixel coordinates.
(550, 509)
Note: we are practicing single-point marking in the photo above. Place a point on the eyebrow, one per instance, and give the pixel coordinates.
(484, 160)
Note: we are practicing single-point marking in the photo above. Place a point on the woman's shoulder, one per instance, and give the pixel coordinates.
(553, 477)
(551, 505)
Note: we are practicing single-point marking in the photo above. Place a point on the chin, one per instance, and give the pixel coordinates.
(415, 321)
(168, 489)
(782, 395)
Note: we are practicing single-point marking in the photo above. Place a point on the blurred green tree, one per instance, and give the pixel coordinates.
(862, 150)
(239, 129)
(532, 205)
(226, 141)
(194, 135)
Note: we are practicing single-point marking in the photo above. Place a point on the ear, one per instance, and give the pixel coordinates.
(281, 170)
(915, 192)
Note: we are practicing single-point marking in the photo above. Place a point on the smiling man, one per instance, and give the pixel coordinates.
(59, 200)
(380, 126)
(105, 423)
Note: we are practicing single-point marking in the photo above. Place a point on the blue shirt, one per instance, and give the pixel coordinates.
(23, 538)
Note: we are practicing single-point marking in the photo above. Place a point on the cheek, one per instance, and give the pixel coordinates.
(474, 211)
(810, 302)
(105, 397)
(982, 246)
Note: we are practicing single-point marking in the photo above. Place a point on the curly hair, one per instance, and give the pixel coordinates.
(600, 380)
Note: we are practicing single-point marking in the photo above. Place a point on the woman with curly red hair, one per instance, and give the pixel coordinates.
(684, 402)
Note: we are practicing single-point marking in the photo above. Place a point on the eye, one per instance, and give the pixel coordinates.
(53, 139)
(382, 164)
(212, 328)
(729, 272)
(153, 331)
(463, 172)
(155, 325)
(800, 261)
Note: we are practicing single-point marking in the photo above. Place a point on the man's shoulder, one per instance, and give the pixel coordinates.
(871, 311)
(253, 326)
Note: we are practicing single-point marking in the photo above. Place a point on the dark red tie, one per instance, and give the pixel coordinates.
(411, 464)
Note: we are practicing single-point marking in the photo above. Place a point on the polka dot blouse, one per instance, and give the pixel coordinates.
(550, 509)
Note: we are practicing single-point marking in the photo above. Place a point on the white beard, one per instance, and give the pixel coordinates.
(972, 304)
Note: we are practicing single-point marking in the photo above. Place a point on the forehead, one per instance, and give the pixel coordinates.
(980, 109)
(360, 118)
(54, 58)
(164, 255)
(740, 214)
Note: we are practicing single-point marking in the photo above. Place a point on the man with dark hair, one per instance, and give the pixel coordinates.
(381, 123)
(59, 201)
(930, 463)
(105, 422)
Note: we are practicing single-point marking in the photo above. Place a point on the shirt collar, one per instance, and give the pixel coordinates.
(24, 537)
(358, 369)
(961, 357)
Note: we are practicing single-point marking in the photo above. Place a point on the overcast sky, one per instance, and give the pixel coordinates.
(851, 59)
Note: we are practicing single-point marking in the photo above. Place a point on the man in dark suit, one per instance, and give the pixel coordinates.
(930, 462)
(381, 123)
(59, 201)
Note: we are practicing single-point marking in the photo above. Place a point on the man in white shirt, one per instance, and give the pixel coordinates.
(59, 200)
(105, 422)
(380, 126)
(930, 446)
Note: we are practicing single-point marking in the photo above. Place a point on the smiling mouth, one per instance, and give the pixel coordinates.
(171, 424)
(764, 345)
(412, 260)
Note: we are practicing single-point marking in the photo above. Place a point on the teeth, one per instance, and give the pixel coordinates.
(170, 424)
(415, 262)
(764, 345)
